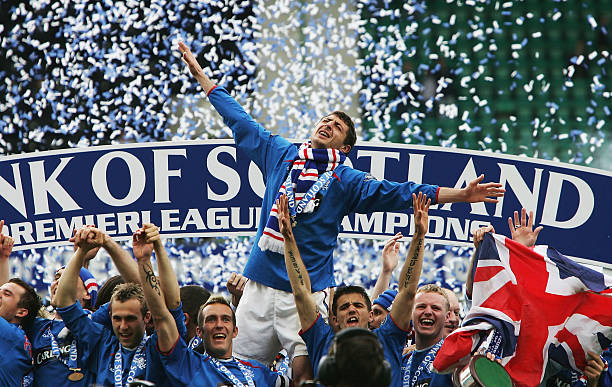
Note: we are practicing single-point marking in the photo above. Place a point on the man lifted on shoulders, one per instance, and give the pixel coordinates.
(321, 190)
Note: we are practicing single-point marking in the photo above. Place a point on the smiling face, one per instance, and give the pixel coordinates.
(330, 132)
(428, 317)
(352, 311)
(218, 330)
(128, 321)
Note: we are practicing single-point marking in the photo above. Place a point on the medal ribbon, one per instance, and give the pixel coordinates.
(72, 357)
(118, 370)
(411, 381)
(194, 342)
(223, 369)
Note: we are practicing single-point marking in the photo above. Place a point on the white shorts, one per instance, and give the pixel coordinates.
(268, 321)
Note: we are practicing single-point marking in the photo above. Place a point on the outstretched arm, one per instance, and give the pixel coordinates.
(298, 276)
(167, 333)
(6, 247)
(85, 239)
(401, 311)
(390, 259)
(194, 68)
(474, 192)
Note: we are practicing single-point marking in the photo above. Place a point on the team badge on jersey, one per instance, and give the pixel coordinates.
(369, 177)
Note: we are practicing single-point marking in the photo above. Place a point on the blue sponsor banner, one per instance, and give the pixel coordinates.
(208, 188)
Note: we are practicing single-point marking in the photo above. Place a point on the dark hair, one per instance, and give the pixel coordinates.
(128, 291)
(351, 289)
(29, 300)
(192, 297)
(356, 359)
(215, 300)
(106, 291)
(361, 362)
(351, 135)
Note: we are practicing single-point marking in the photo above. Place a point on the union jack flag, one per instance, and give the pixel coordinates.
(545, 305)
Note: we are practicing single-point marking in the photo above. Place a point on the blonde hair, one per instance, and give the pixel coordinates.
(433, 288)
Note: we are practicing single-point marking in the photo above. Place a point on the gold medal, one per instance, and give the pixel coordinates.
(76, 375)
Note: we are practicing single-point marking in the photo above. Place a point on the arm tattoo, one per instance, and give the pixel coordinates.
(413, 261)
(296, 267)
(151, 279)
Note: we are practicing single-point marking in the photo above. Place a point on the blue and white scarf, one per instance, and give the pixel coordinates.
(312, 169)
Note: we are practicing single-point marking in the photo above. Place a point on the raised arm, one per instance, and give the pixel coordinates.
(298, 276)
(478, 236)
(85, 239)
(6, 247)
(401, 311)
(194, 68)
(167, 277)
(167, 333)
(122, 259)
(474, 192)
(390, 259)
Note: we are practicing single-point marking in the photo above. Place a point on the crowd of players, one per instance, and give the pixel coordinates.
(285, 324)
(140, 326)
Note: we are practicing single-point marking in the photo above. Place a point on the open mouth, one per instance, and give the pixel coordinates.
(323, 132)
(219, 336)
(426, 322)
(352, 321)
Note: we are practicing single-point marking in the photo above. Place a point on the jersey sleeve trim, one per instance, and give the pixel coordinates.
(302, 331)
(211, 89)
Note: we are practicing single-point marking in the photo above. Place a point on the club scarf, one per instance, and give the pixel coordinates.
(309, 173)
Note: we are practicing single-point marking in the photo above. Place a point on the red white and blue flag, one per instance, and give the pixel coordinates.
(545, 305)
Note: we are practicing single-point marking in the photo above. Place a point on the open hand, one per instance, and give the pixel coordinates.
(284, 220)
(476, 192)
(420, 204)
(190, 60)
(390, 253)
(522, 230)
